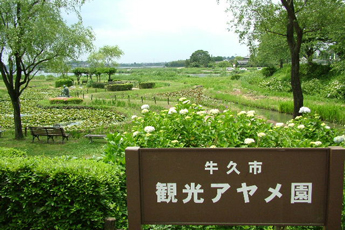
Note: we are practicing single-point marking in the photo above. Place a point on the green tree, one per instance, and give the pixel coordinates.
(272, 50)
(59, 65)
(96, 60)
(296, 20)
(110, 71)
(78, 72)
(199, 58)
(110, 54)
(179, 63)
(33, 33)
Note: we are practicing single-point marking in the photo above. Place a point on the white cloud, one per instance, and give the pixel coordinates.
(161, 30)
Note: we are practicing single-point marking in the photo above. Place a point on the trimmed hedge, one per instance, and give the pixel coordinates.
(65, 100)
(44, 193)
(65, 81)
(98, 85)
(11, 152)
(120, 87)
(147, 85)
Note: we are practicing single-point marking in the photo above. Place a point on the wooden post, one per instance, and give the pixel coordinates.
(335, 188)
(133, 188)
(154, 98)
(109, 223)
(142, 100)
(168, 102)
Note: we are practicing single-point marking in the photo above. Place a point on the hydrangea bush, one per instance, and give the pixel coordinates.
(189, 125)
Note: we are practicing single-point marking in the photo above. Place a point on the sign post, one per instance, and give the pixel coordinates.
(235, 186)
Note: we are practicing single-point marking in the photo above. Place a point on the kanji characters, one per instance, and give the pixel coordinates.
(193, 192)
(166, 192)
(210, 166)
(301, 192)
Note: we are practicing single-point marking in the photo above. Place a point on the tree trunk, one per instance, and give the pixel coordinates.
(294, 39)
(18, 130)
(281, 63)
(296, 84)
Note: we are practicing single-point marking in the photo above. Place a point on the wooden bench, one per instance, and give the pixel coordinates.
(49, 132)
(98, 136)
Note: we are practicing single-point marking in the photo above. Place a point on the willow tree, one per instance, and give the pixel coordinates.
(33, 33)
(296, 20)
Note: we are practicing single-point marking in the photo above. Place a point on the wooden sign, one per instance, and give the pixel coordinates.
(235, 186)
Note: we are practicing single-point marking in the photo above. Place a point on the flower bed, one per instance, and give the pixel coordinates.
(65, 100)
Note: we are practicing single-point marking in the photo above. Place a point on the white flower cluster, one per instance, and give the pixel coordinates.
(214, 111)
(304, 110)
(316, 143)
(249, 141)
(172, 110)
(251, 113)
(339, 139)
(149, 129)
(261, 134)
(183, 111)
(145, 107)
(279, 124)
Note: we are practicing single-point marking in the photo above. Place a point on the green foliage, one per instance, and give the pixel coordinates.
(235, 77)
(313, 70)
(64, 81)
(146, 85)
(312, 87)
(65, 100)
(199, 58)
(99, 85)
(335, 89)
(43, 193)
(179, 63)
(120, 87)
(268, 71)
(11, 152)
(275, 84)
(189, 125)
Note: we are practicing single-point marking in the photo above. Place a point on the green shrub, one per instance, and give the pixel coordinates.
(335, 89)
(188, 125)
(64, 81)
(65, 100)
(268, 71)
(313, 70)
(44, 193)
(235, 77)
(147, 85)
(120, 87)
(312, 87)
(99, 85)
(275, 84)
(11, 152)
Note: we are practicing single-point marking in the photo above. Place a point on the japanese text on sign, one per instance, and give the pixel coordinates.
(167, 192)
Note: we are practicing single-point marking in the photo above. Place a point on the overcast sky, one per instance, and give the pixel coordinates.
(161, 30)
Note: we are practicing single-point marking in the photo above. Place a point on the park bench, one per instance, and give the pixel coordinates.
(98, 136)
(49, 132)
